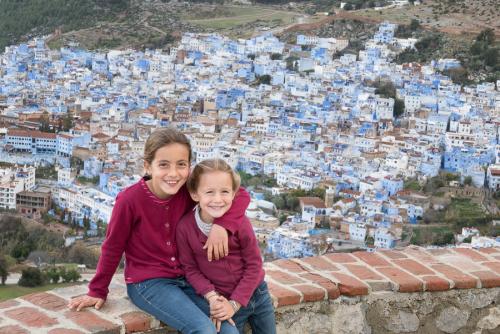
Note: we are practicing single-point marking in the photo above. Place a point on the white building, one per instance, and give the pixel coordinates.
(12, 182)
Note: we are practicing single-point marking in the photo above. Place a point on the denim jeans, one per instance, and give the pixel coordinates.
(259, 312)
(171, 302)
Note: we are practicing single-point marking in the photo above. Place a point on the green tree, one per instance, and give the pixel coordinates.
(4, 270)
(414, 24)
(399, 107)
(53, 275)
(468, 181)
(31, 277)
(487, 36)
(276, 56)
(264, 79)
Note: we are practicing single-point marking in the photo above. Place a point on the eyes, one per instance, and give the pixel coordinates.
(211, 192)
(179, 165)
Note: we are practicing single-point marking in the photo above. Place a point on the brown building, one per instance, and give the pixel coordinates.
(33, 203)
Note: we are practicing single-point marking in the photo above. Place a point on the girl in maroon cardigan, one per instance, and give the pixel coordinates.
(143, 225)
(233, 287)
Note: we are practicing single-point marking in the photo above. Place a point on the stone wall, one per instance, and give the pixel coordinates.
(409, 291)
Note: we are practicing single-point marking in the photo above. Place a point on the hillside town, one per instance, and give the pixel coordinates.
(306, 115)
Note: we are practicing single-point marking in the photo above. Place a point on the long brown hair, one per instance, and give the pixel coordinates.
(161, 137)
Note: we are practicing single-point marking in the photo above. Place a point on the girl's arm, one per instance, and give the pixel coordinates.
(118, 232)
(217, 238)
(253, 274)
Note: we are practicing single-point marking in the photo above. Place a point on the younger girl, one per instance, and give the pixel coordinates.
(143, 225)
(239, 277)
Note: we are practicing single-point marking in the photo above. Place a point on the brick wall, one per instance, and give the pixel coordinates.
(314, 294)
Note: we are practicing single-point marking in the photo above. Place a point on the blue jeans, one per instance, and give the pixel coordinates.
(259, 312)
(171, 302)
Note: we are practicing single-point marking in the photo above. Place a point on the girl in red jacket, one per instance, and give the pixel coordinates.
(233, 287)
(143, 225)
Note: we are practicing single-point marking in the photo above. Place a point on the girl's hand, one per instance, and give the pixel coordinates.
(222, 310)
(216, 243)
(81, 302)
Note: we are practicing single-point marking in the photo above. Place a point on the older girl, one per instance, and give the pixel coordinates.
(143, 226)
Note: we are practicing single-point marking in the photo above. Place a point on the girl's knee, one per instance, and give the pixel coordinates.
(205, 328)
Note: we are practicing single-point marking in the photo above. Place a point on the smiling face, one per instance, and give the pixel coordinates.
(215, 194)
(169, 170)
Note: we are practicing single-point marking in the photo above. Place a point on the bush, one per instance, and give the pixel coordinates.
(31, 277)
(69, 275)
(53, 275)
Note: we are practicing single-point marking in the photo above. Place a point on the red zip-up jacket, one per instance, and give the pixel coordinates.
(235, 276)
(143, 226)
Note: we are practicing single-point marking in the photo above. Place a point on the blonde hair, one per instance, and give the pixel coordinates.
(211, 165)
(161, 137)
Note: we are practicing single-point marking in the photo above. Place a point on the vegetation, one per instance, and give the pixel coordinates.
(12, 291)
(30, 18)
(46, 172)
(31, 277)
(249, 180)
(290, 202)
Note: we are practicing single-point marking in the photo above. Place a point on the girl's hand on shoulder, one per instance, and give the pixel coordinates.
(81, 302)
(217, 243)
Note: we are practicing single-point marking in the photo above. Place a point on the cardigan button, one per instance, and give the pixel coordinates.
(172, 258)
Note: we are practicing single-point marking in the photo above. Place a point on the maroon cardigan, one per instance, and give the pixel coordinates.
(143, 226)
(236, 276)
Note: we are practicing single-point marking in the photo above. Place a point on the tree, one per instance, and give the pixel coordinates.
(31, 277)
(264, 79)
(491, 57)
(487, 36)
(53, 275)
(414, 24)
(4, 270)
(68, 123)
(399, 107)
(276, 56)
(468, 181)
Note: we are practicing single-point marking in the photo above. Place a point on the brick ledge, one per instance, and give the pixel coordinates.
(291, 282)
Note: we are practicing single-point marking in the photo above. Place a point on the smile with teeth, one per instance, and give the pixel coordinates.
(171, 182)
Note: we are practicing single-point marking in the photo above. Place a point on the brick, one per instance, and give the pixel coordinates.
(341, 258)
(440, 251)
(461, 280)
(331, 288)
(92, 322)
(349, 285)
(489, 250)
(310, 293)
(283, 277)
(31, 317)
(289, 266)
(319, 263)
(47, 301)
(284, 296)
(406, 282)
(435, 283)
(472, 254)
(495, 266)
(136, 321)
(363, 272)
(394, 254)
(488, 279)
(13, 330)
(374, 260)
(65, 331)
(8, 304)
(414, 267)
(421, 255)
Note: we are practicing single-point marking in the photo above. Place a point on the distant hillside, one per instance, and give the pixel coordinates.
(23, 19)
